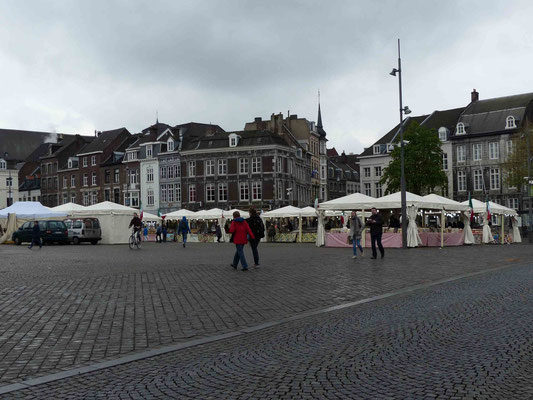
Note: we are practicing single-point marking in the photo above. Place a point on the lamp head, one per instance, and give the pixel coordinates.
(393, 72)
(406, 110)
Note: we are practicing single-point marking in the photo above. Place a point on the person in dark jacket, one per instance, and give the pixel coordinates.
(184, 230)
(375, 221)
(258, 228)
(36, 236)
(356, 228)
(164, 232)
(158, 233)
(240, 230)
(218, 232)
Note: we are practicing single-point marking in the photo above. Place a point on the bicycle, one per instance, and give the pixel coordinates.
(135, 240)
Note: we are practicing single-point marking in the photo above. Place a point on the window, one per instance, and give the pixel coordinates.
(149, 151)
(279, 190)
(279, 164)
(477, 151)
(85, 180)
(366, 172)
(244, 191)
(222, 167)
(192, 168)
(116, 196)
(116, 178)
(171, 193)
(73, 197)
(494, 179)
(445, 161)
(494, 150)
(443, 134)
(243, 166)
(43, 184)
(222, 192)
(177, 170)
(510, 147)
(379, 190)
(84, 161)
(65, 198)
(107, 195)
(163, 172)
(368, 189)
(478, 179)
(178, 192)
(192, 193)
(210, 191)
(69, 165)
(460, 129)
(107, 176)
(510, 122)
(513, 203)
(256, 191)
(163, 193)
(65, 182)
(135, 200)
(133, 176)
(377, 170)
(210, 169)
(93, 160)
(150, 194)
(132, 155)
(170, 145)
(461, 181)
(461, 154)
(171, 171)
(3, 165)
(377, 149)
(233, 140)
(94, 197)
(93, 179)
(149, 174)
(73, 181)
(256, 165)
(86, 198)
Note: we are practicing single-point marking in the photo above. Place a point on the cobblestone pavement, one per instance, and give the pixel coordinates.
(67, 306)
(466, 339)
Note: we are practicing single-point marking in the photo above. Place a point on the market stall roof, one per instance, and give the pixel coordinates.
(447, 204)
(283, 212)
(31, 210)
(68, 207)
(481, 207)
(150, 217)
(394, 200)
(229, 213)
(108, 207)
(308, 212)
(178, 214)
(213, 213)
(354, 201)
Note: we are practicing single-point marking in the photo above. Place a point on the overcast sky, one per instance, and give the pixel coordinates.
(77, 66)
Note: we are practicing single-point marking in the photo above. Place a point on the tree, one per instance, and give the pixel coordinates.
(515, 166)
(423, 162)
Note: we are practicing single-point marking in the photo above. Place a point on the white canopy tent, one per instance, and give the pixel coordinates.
(354, 201)
(179, 214)
(308, 212)
(214, 213)
(151, 217)
(480, 207)
(446, 204)
(69, 208)
(24, 211)
(228, 214)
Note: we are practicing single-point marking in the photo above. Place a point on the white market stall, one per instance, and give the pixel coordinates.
(23, 211)
(69, 208)
(480, 207)
(286, 212)
(451, 206)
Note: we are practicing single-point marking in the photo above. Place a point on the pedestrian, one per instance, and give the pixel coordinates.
(218, 232)
(164, 232)
(240, 230)
(158, 233)
(272, 232)
(36, 236)
(184, 229)
(258, 229)
(145, 233)
(375, 221)
(356, 227)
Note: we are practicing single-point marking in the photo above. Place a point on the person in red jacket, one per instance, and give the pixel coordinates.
(240, 230)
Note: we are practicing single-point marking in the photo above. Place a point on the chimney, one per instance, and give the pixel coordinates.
(474, 96)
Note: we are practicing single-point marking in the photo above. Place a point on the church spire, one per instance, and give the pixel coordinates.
(319, 126)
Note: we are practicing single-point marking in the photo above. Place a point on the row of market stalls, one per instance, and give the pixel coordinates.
(420, 206)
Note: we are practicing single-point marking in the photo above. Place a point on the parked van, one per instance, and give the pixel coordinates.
(50, 231)
(84, 230)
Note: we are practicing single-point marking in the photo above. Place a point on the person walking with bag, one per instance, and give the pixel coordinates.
(375, 221)
(356, 227)
(240, 230)
(184, 229)
(258, 228)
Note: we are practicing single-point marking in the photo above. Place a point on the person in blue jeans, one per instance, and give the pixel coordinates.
(184, 229)
(241, 231)
(36, 236)
(356, 228)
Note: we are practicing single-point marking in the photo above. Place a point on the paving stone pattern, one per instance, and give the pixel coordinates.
(67, 306)
(467, 339)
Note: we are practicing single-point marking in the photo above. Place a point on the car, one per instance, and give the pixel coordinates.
(84, 230)
(50, 232)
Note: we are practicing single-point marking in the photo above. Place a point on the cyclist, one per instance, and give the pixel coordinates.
(137, 225)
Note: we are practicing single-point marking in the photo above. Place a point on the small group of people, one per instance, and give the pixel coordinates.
(375, 223)
(251, 230)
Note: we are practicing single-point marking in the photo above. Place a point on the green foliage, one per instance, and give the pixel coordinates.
(515, 166)
(423, 162)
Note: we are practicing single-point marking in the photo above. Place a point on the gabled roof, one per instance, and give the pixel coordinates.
(446, 118)
(221, 140)
(390, 136)
(332, 152)
(102, 141)
(20, 144)
(35, 156)
(65, 143)
(121, 148)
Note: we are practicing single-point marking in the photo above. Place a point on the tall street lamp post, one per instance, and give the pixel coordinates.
(530, 194)
(403, 110)
(9, 180)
